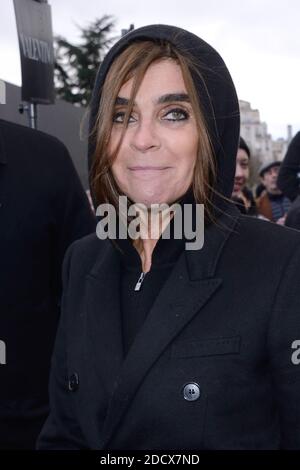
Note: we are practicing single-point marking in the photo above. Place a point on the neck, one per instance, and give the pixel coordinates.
(145, 249)
(152, 226)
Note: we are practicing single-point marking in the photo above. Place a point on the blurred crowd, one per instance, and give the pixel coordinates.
(44, 208)
(276, 196)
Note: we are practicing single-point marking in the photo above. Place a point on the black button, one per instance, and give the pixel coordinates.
(191, 391)
(73, 383)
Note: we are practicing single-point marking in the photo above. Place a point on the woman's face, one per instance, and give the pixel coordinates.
(156, 160)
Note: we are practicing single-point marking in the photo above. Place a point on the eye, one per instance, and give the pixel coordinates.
(119, 117)
(176, 114)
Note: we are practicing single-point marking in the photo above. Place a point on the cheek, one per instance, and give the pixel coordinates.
(114, 140)
(246, 174)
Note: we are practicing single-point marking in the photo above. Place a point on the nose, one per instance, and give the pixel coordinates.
(144, 136)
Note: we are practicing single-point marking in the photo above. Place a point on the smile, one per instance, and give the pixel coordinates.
(148, 168)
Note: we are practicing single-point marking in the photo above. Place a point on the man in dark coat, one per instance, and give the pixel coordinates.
(241, 194)
(289, 174)
(43, 208)
(289, 181)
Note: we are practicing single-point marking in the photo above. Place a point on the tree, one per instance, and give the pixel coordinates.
(76, 65)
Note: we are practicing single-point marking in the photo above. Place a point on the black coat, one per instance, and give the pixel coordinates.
(43, 208)
(226, 320)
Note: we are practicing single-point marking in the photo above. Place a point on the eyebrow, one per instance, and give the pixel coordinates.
(168, 98)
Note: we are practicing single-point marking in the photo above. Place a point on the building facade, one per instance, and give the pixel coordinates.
(255, 133)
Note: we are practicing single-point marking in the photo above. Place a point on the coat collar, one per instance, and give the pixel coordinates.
(190, 285)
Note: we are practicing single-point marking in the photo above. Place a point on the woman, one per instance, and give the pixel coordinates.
(200, 352)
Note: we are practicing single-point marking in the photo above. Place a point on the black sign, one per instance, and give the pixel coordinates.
(36, 50)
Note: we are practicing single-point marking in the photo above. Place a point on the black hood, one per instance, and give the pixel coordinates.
(218, 96)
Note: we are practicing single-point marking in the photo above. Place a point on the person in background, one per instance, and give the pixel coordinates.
(241, 194)
(88, 194)
(272, 203)
(43, 208)
(259, 189)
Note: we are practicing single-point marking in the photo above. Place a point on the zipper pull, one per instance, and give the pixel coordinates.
(140, 282)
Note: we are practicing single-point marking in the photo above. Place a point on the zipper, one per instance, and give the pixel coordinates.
(140, 282)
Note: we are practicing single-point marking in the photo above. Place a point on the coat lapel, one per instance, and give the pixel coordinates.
(189, 287)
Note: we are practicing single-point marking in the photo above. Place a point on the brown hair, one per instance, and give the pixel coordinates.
(133, 62)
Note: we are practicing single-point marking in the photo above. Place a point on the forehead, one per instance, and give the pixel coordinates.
(242, 155)
(161, 77)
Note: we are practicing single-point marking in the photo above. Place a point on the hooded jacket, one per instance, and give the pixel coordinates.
(43, 209)
(215, 364)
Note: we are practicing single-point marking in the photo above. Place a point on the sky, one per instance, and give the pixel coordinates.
(258, 39)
